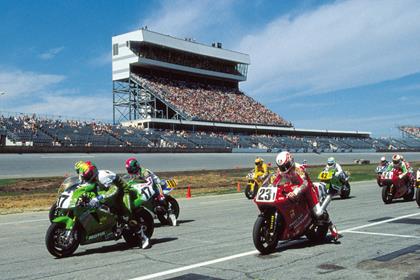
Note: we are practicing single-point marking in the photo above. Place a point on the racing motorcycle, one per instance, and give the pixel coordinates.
(380, 169)
(393, 187)
(282, 219)
(252, 187)
(65, 191)
(145, 195)
(336, 185)
(418, 187)
(80, 224)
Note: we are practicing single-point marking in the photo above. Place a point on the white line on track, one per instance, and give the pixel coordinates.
(380, 222)
(254, 252)
(180, 269)
(382, 234)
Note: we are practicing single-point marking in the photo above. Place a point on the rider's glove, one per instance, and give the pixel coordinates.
(400, 176)
(94, 202)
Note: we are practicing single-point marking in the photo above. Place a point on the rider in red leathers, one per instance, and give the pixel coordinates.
(292, 172)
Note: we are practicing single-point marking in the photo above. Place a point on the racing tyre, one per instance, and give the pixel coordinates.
(418, 196)
(409, 196)
(53, 213)
(386, 196)
(264, 240)
(57, 243)
(345, 193)
(250, 194)
(317, 233)
(173, 208)
(145, 222)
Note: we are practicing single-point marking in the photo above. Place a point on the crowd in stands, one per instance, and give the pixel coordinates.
(411, 130)
(210, 102)
(47, 132)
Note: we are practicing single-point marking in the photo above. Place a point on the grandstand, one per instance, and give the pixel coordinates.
(163, 82)
(179, 95)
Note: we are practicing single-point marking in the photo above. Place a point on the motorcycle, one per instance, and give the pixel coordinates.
(380, 169)
(282, 219)
(252, 187)
(80, 224)
(393, 187)
(418, 187)
(336, 185)
(146, 196)
(65, 191)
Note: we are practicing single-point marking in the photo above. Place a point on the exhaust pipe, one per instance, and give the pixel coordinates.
(320, 209)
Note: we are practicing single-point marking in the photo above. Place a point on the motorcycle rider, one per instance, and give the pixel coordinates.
(399, 164)
(260, 171)
(138, 172)
(383, 161)
(110, 188)
(332, 164)
(296, 174)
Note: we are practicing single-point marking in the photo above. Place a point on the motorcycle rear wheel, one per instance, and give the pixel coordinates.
(54, 233)
(345, 193)
(264, 241)
(173, 207)
(317, 233)
(386, 196)
(409, 196)
(144, 220)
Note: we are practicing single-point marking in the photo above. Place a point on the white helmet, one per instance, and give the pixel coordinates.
(383, 159)
(285, 161)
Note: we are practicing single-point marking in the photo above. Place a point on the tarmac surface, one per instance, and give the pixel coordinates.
(214, 241)
(42, 165)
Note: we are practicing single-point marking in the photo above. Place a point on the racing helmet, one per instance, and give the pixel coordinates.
(88, 172)
(285, 162)
(331, 161)
(383, 159)
(396, 160)
(78, 165)
(258, 161)
(132, 165)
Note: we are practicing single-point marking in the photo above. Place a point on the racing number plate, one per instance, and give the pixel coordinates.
(267, 194)
(146, 190)
(388, 175)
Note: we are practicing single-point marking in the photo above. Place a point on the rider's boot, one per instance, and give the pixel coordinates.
(334, 232)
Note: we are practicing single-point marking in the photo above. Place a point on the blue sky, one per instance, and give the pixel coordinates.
(349, 65)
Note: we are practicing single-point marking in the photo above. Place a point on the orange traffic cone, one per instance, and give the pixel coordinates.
(188, 192)
(238, 187)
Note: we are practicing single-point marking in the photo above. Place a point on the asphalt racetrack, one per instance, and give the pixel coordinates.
(214, 241)
(42, 165)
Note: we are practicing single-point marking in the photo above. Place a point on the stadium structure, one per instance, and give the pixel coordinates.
(145, 62)
(177, 95)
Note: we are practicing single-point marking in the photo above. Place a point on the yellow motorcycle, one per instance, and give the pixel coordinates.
(252, 186)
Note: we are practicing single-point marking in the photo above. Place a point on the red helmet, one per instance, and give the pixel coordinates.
(132, 166)
(89, 172)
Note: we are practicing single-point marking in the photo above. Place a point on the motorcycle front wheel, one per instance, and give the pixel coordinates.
(386, 195)
(418, 196)
(345, 193)
(173, 208)
(251, 191)
(58, 244)
(265, 240)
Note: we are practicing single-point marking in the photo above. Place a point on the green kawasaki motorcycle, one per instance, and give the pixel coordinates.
(77, 223)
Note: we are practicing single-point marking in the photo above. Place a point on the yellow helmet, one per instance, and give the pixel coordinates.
(258, 161)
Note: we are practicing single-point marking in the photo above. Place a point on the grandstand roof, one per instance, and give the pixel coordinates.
(123, 56)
